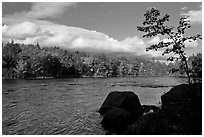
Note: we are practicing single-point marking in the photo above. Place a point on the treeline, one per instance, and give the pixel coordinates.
(20, 61)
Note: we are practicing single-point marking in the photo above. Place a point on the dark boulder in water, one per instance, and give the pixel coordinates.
(116, 120)
(120, 109)
(179, 93)
(180, 113)
(182, 106)
(127, 100)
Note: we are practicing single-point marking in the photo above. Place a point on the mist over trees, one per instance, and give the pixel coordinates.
(20, 61)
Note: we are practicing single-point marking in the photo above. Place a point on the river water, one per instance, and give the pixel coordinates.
(69, 106)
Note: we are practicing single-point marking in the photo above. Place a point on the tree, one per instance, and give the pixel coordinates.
(196, 63)
(9, 59)
(51, 66)
(10, 54)
(154, 25)
(114, 68)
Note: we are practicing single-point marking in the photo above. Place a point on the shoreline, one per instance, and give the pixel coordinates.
(44, 78)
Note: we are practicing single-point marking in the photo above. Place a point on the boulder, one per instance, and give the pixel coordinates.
(127, 100)
(179, 93)
(116, 120)
(152, 124)
(180, 113)
(182, 106)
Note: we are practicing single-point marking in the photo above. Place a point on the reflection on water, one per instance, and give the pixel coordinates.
(69, 106)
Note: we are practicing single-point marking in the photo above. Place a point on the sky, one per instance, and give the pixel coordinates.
(94, 26)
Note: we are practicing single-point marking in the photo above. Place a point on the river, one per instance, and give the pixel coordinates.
(69, 106)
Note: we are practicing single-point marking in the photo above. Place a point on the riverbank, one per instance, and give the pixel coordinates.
(83, 76)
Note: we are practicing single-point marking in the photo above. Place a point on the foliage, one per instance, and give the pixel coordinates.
(154, 24)
(10, 55)
(32, 61)
(196, 67)
(50, 66)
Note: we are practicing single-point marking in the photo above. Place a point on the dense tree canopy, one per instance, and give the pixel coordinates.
(32, 61)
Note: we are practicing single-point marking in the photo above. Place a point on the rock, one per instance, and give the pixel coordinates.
(152, 124)
(178, 93)
(127, 100)
(182, 106)
(116, 120)
(180, 113)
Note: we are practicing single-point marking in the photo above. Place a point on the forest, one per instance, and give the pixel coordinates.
(28, 61)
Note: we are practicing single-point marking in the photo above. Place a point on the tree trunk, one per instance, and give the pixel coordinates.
(186, 68)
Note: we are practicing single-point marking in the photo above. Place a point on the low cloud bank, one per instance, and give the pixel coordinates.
(31, 27)
(50, 34)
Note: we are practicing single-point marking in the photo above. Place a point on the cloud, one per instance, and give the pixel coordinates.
(184, 8)
(154, 40)
(40, 10)
(191, 44)
(135, 45)
(21, 31)
(195, 16)
(30, 28)
(51, 34)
